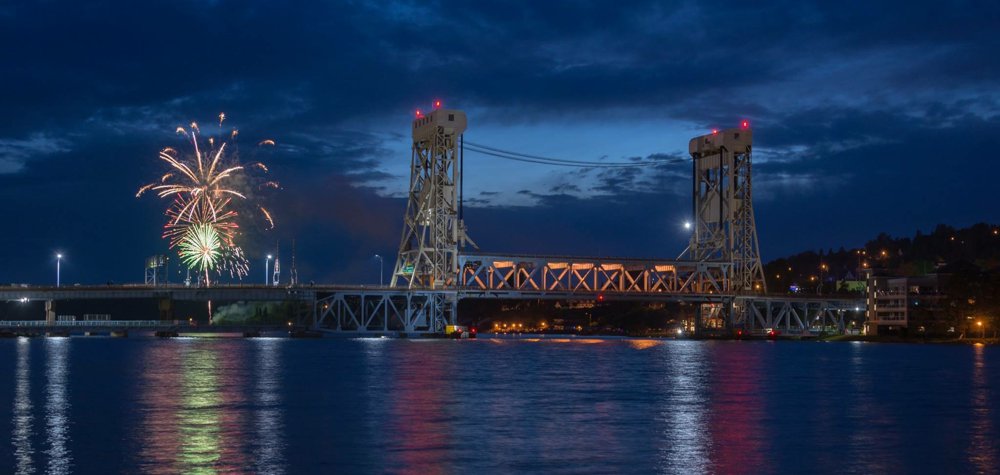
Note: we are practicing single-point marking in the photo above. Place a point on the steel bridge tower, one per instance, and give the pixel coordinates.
(724, 226)
(433, 229)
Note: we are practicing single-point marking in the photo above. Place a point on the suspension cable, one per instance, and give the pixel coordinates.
(523, 157)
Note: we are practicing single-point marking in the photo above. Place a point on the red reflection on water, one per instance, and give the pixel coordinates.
(737, 408)
(420, 431)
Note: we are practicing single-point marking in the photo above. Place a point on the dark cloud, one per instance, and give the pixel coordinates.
(868, 117)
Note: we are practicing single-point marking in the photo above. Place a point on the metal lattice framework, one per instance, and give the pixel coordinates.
(722, 197)
(385, 311)
(432, 228)
(796, 314)
(157, 270)
(589, 275)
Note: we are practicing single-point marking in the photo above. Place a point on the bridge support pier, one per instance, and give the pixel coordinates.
(697, 320)
(50, 312)
(166, 308)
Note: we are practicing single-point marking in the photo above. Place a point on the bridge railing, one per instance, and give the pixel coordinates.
(88, 323)
(590, 275)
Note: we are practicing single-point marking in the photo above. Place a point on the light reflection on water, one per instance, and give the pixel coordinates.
(57, 406)
(983, 450)
(268, 424)
(197, 416)
(553, 405)
(739, 439)
(684, 409)
(22, 420)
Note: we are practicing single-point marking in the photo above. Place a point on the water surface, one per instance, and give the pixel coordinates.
(556, 405)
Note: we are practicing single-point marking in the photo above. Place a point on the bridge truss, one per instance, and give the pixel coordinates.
(795, 314)
(536, 275)
(386, 311)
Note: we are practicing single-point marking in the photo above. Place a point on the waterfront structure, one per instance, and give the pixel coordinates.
(906, 305)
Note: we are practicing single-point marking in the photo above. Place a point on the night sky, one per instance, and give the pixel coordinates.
(867, 117)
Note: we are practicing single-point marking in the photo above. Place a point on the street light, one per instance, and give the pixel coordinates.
(687, 224)
(822, 273)
(380, 262)
(59, 257)
(982, 331)
(267, 265)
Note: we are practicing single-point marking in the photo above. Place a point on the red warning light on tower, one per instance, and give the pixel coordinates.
(745, 124)
(419, 114)
(437, 104)
(715, 131)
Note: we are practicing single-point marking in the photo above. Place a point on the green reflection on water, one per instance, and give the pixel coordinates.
(199, 416)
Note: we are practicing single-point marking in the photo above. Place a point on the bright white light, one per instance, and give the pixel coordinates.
(687, 224)
(270, 256)
(58, 256)
(680, 331)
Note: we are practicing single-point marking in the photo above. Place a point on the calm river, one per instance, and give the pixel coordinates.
(101, 405)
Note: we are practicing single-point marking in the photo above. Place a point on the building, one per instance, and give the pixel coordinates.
(906, 306)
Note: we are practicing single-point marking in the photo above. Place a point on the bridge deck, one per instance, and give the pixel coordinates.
(178, 292)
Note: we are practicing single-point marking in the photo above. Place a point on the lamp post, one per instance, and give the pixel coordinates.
(58, 268)
(267, 266)
(822, 273)
(380, 262)
(982, 330)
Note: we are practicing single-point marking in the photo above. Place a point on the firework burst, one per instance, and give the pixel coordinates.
(207, 189)
(200, 248)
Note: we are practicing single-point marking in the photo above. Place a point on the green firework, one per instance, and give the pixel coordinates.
(201, 247)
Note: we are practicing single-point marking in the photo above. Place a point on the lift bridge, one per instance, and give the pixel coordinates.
(719, 273)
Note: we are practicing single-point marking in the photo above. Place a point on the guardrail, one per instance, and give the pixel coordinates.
(89, 323)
